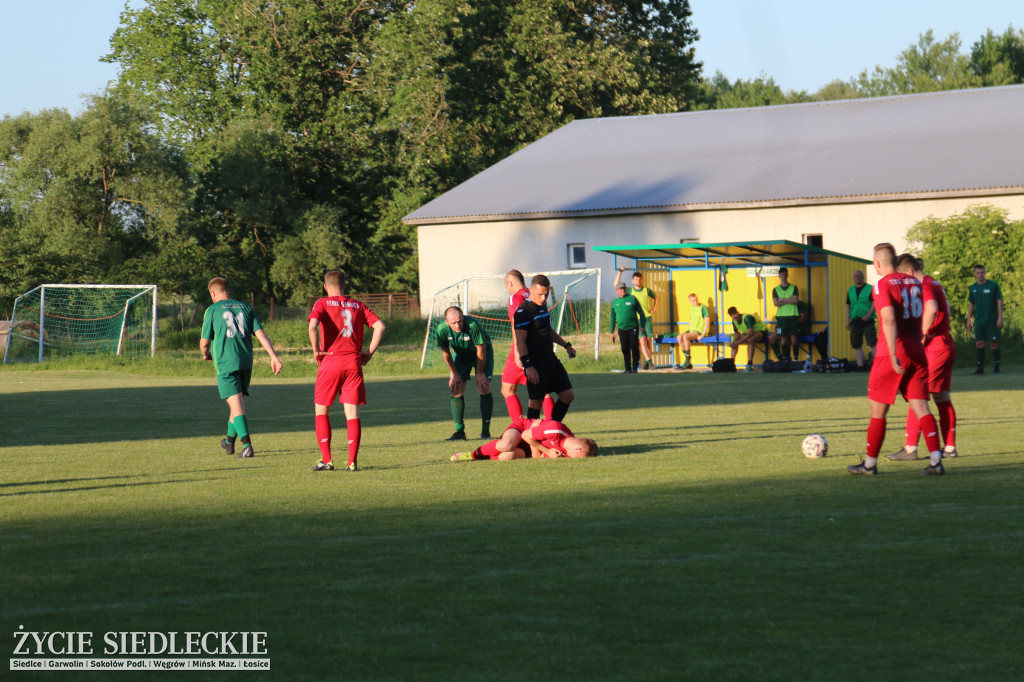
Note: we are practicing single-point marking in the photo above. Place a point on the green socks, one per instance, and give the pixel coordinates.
(459, 412)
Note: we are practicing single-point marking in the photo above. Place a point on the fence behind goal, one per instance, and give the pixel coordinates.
(574, 302)
(56, 320)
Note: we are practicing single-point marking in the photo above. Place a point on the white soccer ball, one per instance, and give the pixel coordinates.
(814, 446)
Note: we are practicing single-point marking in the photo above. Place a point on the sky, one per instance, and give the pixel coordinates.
(50, 49)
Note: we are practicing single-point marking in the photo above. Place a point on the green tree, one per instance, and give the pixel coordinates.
(720, 93)
(999, 59)
(85, 199)
(981, 234)
(928, 66)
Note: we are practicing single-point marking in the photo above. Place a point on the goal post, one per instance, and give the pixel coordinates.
(574, 302)
(55, 320)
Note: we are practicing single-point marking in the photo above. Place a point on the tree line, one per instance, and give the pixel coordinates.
(267, 142)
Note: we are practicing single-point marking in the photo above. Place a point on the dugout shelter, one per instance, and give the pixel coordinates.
(740, 274)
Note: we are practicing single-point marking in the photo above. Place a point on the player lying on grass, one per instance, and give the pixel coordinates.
(534, 438)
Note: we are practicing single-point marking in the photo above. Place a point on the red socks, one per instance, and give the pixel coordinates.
(355, 432)
(323, 437)
(488, 450)
(930, 429)
(876, 436)
(548, 405)
(947, 422)
(515, 408)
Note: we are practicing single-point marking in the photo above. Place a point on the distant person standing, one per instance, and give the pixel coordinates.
(985, 317)
(786, 298)
(228, 328)
(465, 346)
(860, 317)
(649, 303)
(628, 316)
(336, 334)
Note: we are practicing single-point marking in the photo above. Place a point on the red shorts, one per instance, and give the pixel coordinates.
(884, 383)
(333, 381)
(512, 373)
(941, 353)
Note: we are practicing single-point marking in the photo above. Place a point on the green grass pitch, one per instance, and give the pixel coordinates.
(700, 545)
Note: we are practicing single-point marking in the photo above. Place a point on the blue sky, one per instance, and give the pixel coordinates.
(50, 49)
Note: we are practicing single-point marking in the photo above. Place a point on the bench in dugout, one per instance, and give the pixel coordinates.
(720, 343)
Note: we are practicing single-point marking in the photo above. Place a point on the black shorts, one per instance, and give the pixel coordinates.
(553, 379)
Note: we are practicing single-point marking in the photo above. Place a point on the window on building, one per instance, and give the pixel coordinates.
(688, 240)
(814, 240)
(577, 256)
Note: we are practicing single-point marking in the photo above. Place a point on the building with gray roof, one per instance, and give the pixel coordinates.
(843, 174)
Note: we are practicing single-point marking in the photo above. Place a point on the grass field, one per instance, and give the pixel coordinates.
(700, 545)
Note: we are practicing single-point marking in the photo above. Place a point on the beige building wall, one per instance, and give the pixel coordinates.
(451, 252)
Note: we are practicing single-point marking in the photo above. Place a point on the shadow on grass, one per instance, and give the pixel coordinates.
(144, 413)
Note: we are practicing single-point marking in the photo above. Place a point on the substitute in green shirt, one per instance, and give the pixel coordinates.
(465, 346)
(746, 329)
(786, 296)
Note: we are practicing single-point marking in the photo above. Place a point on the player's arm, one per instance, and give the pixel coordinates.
(999, 316)
(869, 313)
(314, 340)
(654, 297)
(454, 380)
(612, 318)
(931, 309)
(887, 319)
(775, 297)
(537, 449)
(378, 328)
(556, 337)
(275, 362)
(707, 325)
(523, 357)
(204, 348)
(482, 382)
(847, 311)
(618, 277)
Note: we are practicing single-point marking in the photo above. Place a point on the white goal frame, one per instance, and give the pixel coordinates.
(144, 290)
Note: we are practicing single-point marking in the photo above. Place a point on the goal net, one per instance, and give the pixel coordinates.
(56, 320)
(574, 302)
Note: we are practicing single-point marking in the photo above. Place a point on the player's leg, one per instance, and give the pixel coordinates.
(857, 341)
(752, 340)
(354, 431)
(941, 355)
(979, 348)
(325, 392)
(883, 385)
(993, 343)
(794, 344)
(625, 348)
(646, 331)
(322, 426)
(486, 399)
(511, 377)
(634, 349)
(458, 400)
(915, 390)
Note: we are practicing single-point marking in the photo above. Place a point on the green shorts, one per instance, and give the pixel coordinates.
(787, 326)
(234, 383)
(465, 367)
(646, 329)
(986, 332)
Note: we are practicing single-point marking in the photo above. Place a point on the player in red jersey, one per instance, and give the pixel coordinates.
(540, 438)
(941, 352)
(336, 334)
(512, 375)
(900, 365)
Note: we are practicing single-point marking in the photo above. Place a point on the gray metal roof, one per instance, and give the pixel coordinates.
(954, 143)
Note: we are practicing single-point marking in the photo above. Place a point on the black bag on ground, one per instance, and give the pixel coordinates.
(723, 365)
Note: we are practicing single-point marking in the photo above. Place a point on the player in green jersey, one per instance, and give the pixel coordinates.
(628, 316)
(465, 345)
(700, 324)
(228, 328)
(746, 329)
(985, 317)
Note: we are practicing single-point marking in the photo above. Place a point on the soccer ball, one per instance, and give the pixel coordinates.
(814, 446)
